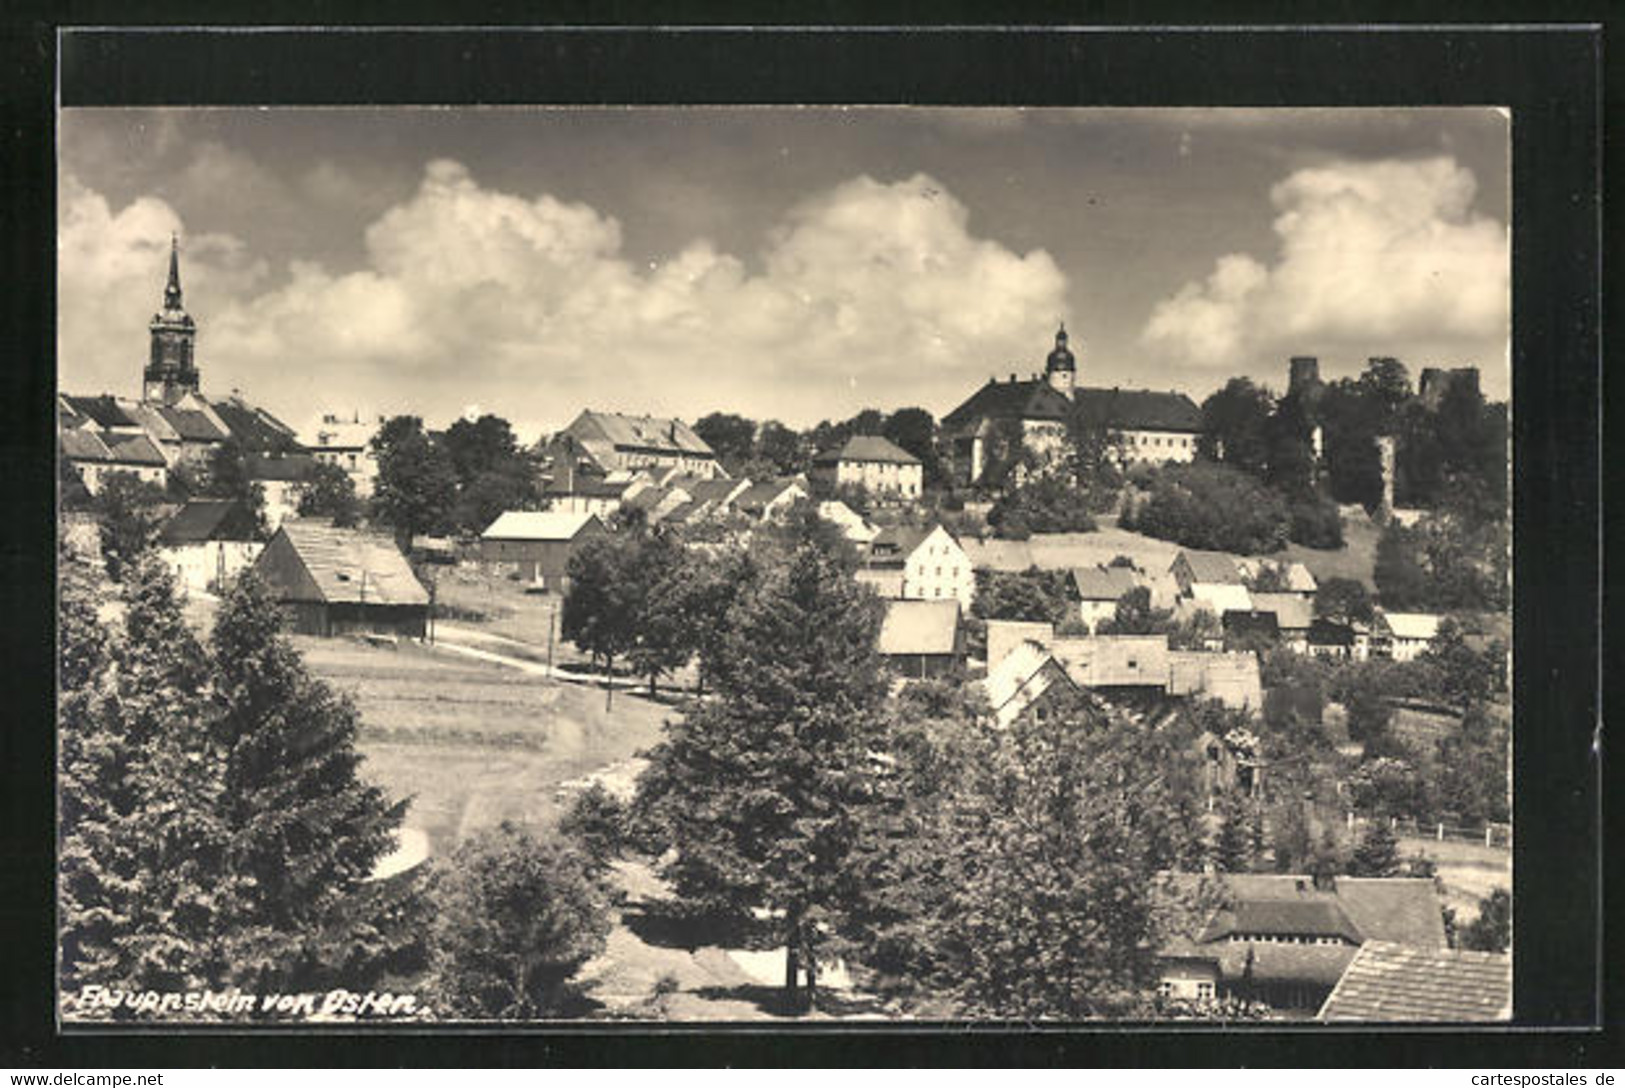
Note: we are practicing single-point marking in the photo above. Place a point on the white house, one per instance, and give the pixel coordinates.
(347, 444)
(1407, 634)
(932, 564)
(1097, 591)
(873, 463)
(1022, 680)
(208, 542)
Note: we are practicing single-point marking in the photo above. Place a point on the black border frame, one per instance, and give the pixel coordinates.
(1552, 78)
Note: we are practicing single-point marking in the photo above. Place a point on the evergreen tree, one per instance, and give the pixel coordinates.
(147, 895)
(1491, 931)
(1232, 849)
(761, 790)
(1378, 852)
(515, 919)
(306, 831)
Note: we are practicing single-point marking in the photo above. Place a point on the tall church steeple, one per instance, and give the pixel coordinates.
(171, 370)
(1061, 369)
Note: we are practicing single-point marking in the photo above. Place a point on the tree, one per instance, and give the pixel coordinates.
(781, 446)
(328, 492)
(1049, 504)
(1387, 786)
(732, 437)
(1032, 595)
(1135, 616)
(596, 821)
(760, 790)
(1017, 872)
(1235, 423)
(1215, 507)
(1232, 848)
(304, 828)
(1289, 449)
(1291, 842)
(1378, 852)
(600, 613)
(128, 512)
(146, 895)
(914, 430)
(1398, 573)
(416, 482)
(1343, 601)
(478, 446)
(659, 585)
(515, 919)
(508, 485)
(1491, 931)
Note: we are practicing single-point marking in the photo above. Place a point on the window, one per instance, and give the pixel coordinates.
(1165, 988)
(1204, 991)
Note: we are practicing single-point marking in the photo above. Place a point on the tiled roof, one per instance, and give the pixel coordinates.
(652, 433)
(1216, 567)
(105, 410)
(1026, 398)
(1314, 917)
(1382, 908)
(1140, 409)
(351, 566)
(1231, 678)
(134, 449)
(290, 469)
(1299, 579)
(1020, 678)
(1114, 660)
(1003, 636)
(1292, 612)
(1394, 982)
(192, 425)
(256, 429)
(1412, 625)
(537, 525)
(81, 445)
(1219, 598)
(1102, 583)
(208, 519)
(869, 447)
(756, 497)
(920, 627)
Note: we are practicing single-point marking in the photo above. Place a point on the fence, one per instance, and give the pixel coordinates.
(1492, 835)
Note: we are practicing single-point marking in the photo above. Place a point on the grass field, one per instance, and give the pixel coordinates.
(496, 604)
(1468, 871)
(474, 743)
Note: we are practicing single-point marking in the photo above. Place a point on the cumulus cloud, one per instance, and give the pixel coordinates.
(873, 292)
(1371, 255)
(111, 268)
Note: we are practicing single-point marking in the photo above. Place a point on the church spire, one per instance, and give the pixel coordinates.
(172, 290)
(171, 370)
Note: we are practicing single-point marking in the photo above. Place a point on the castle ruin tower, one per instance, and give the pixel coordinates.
(171, 371)
(1061, 370)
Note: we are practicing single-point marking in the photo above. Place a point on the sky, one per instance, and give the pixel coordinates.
(789, 263)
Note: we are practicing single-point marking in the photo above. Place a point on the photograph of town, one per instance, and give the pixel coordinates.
(783, 565)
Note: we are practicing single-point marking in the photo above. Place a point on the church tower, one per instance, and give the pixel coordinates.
(1061, 371)
(171, 372)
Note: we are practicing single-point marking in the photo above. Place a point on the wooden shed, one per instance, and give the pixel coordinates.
(341, 581)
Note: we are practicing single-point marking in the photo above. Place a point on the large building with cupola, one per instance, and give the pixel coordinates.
(1141, 424)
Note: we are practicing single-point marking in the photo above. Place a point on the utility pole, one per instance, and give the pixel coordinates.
(552, 620)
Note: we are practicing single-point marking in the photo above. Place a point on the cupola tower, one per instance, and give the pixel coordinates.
(1061, 370)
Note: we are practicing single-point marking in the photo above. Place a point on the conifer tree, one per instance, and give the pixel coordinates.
(760, 790)
(1378, 852)
(306, 831)
(1232, 848)
(147, 897)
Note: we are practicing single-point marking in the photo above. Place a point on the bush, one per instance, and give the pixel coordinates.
(1050, 504)
(1316, 524)
(596, 822)
(1214, 507)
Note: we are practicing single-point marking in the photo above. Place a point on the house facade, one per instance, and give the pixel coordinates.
(1096, 591)
(208, 542)
(537, 545)
(930, 561)
(873, 463)
(347, 444)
